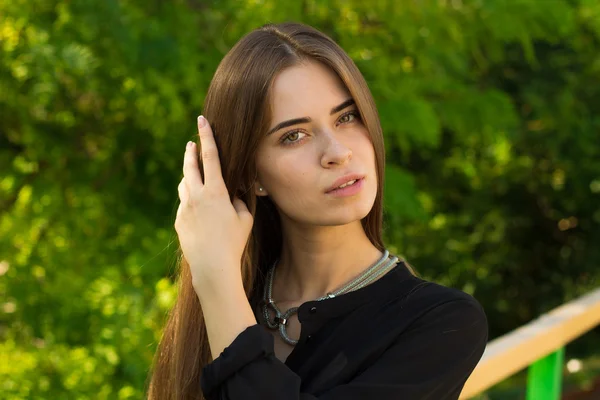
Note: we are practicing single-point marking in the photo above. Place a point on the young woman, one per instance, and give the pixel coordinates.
(286, 290)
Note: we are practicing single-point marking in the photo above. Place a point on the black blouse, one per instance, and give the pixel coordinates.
(399, 338)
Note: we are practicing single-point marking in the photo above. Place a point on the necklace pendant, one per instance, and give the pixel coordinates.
(272, 324)
(285, 337)
(283, 320)
(280, 320)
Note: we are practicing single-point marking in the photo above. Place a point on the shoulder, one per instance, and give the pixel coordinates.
(431, 295)
(421, 295)
(436, 306)
(411, 302)
(442, 331)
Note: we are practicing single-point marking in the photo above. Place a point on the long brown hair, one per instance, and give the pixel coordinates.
(237, 106)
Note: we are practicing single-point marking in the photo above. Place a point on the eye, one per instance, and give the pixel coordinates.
(348, 114)
(292, 137)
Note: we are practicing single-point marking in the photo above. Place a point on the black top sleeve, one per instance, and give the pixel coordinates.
(430, 360)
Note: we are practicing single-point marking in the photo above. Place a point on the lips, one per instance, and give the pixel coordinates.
(344, 179)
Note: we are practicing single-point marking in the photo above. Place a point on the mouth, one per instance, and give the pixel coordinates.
(345, 181)
(349, 188)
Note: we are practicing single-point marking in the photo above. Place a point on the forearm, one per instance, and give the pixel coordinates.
(227, 312)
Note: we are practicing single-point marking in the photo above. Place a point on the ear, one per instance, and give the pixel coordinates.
(259, 190)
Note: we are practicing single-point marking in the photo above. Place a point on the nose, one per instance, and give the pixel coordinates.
(334, 151)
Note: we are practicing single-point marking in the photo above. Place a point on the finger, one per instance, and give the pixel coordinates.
(239, 205)
(182, 190)
(210, 153)
(242, 210)
(191, 173)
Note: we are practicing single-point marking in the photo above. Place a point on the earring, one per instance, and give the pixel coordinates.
(260, 189)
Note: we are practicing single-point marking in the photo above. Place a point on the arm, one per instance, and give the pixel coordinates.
(226, 310)
(432, 360)
(213, 232)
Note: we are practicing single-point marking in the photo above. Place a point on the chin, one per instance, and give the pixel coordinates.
(319, 213)
(345, 214)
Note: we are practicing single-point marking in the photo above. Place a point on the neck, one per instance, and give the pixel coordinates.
(318, 260)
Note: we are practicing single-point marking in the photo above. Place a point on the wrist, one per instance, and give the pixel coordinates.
(217, 286)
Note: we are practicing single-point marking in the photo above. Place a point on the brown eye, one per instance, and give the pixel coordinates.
(354, 114)
(292, 138)
(345, 116)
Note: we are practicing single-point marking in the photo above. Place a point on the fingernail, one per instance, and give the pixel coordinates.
(189, 144)
(201, 121)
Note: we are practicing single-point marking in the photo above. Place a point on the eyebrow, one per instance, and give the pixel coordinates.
(303, 120)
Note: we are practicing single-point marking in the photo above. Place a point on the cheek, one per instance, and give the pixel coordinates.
(291, 183)
(363, 148)
(286, 176)
(366, 153)
(295, 180)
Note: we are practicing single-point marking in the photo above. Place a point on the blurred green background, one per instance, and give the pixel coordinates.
(490, 110)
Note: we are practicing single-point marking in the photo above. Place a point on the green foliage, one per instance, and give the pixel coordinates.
(493, 184)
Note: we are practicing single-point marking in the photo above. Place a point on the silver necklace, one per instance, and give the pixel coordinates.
(280, 320)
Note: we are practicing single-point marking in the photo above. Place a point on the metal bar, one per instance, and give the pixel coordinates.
(544, 378)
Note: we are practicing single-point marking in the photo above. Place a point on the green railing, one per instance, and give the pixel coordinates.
(544, 378)
(538, 345)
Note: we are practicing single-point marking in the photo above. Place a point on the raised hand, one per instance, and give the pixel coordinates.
(212, 230)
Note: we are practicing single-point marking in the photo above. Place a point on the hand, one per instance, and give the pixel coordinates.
(212, 231)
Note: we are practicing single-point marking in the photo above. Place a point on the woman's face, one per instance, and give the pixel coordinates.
(298, 163)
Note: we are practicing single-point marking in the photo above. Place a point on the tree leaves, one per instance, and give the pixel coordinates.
(489, 111)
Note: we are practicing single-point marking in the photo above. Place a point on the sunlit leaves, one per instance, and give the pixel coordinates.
(489, 112)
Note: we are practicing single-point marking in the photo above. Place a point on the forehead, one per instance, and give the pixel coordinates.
(306, 89)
